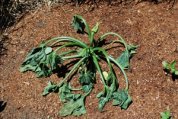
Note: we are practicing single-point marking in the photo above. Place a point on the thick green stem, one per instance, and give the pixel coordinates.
(71, 57)
(122, 70)
(66, 39)
(98, 68)
(115, 34)
(68, 52)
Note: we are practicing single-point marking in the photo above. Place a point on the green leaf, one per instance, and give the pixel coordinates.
(74, 107)
(87, 78)
(65, 93)
(170, 67)
(165, 65)
(121, 98)
(87, 87)
(165, 115)
(78, 24)
(53, 60)
(41, 60)
(106, 95)
(50, 88)
(124, 58)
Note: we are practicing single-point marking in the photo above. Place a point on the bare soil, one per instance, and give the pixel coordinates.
(153, 27)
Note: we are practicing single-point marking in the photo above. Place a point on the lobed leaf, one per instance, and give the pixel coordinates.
(122, 98)
(50, 88)
(106, 95)
(78, 24)
(65, 93)
(87, 79)
(124, 58)
(41, 60)
(74, 107)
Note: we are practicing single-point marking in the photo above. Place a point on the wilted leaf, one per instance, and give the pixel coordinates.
(87, 79)
(41, 60)
(53, 60)
(50, 88)
(74, 107)
(106, 95)
(121, 98)
(78, 24)
(65, 93)
(124, 58)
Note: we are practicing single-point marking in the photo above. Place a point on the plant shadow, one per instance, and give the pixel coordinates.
(64, 69)
(174, 77)
(3, 42)
(2, 105)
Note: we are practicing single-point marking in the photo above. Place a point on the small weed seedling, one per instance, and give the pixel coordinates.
(84, 60)
(166, 114)
(170, 68)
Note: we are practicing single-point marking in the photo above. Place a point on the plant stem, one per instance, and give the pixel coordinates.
(66, 39)
(122, 70)
(76, 66)
(71, 57)
(98, 67)
(68, 52)
(115, 34)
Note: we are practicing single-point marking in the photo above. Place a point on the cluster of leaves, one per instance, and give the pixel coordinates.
(47, 58)
(166, 114)
(170, 67)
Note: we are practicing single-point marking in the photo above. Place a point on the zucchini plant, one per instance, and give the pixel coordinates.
(84, 60)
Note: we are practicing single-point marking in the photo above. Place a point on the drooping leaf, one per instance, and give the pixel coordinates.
(78, 24)
(121, 98)
(87, 87)
(65, 93)
(126, 55)
(106, 95)
(74, 107)
(41, 60)
(166, 114)
(50, 88)
(53, 60)
(87, 79)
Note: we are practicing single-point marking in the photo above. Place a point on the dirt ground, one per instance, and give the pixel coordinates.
(153, 27)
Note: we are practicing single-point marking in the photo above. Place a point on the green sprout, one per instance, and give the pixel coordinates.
(85, 60)
(166, 114)
(170, 67)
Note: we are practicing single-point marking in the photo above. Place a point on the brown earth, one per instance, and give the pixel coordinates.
(153, 27)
